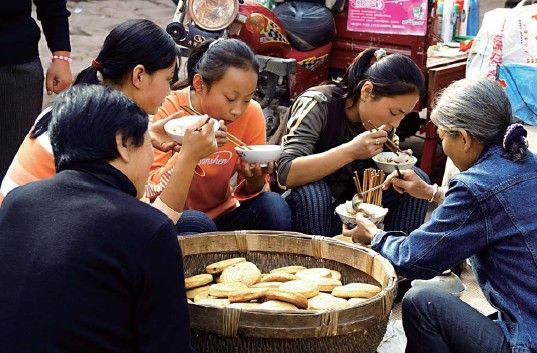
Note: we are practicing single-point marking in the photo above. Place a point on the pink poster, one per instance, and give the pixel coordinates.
(388, 16)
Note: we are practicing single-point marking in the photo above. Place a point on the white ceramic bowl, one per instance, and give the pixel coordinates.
(176, 128)
(375, 214)
(260, 153)
(387, 161)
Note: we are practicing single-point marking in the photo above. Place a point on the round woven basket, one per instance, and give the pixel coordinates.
(358, 329)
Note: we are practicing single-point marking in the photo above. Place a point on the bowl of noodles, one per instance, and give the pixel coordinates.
(370, 211)
(176, 128)
(387, 161)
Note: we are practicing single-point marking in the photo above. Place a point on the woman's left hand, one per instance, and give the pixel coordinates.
(58, 77)
(254, 174)
(364, 231)
(221, 134)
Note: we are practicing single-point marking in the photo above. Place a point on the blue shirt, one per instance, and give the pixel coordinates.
(490, 216)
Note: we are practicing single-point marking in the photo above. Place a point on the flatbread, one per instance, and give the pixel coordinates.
(219, 266)
(198, 280)
(243, 272)
(324, 301)
(356, 290)
(306, 288)
(224, 290)
(288, 269)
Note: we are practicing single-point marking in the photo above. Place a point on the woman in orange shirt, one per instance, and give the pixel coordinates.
(137, 58)
(222, 79)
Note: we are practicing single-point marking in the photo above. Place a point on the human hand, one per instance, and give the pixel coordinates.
(159, 138)
(221, 134)
(58, 77)
(199, 140)
(254, 174)
(363, 232)
(411, 183)
(367, 144)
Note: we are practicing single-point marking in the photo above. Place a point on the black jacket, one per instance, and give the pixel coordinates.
(19, 33)
(86, 267)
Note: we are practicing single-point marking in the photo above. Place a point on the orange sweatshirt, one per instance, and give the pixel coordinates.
(34, 161)
(210, 191)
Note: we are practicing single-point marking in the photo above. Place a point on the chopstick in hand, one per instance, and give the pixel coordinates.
(389, 143)
(230, 137)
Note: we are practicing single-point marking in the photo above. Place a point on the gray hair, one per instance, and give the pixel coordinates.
(478, 105)
(481, 107)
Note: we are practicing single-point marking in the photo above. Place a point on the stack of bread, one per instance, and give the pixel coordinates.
(240, 284)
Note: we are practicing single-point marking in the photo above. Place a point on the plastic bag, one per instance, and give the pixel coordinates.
(520, 35)
(486, 52)
(519, 82)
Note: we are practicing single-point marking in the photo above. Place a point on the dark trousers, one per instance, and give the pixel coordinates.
(267, 211)
(436, 321)
(313, 211)
(21, 98)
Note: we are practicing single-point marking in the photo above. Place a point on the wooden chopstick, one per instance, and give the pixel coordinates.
(389, 143)
(230, 137)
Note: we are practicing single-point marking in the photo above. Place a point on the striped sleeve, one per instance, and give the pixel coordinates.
(306, 122)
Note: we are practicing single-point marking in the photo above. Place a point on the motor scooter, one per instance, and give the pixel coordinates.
(288, 64)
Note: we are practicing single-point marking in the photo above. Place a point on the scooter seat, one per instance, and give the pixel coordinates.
(308, 25)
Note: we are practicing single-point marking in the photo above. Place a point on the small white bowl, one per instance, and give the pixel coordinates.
(387, 161)
(262, 154)
(176, 128)
(376, 214)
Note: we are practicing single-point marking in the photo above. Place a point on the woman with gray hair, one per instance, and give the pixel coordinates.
(488, 215)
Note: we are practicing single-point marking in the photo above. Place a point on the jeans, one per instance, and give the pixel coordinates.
(194, 222)
(313, 211)
(266, 211)
(436, 321)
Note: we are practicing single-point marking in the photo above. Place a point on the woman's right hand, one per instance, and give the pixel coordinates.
(367, 144)
(199, 140)
(411, 183)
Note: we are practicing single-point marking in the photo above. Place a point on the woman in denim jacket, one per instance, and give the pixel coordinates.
(489, 214)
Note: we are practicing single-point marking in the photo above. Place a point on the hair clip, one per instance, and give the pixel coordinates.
(380, 54)
(96, 65)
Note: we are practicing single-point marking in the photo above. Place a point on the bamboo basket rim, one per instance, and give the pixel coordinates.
(243, 243)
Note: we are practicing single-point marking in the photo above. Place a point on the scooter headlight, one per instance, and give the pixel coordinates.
(213, 15)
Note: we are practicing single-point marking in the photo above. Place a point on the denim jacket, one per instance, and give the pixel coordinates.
(490, 215)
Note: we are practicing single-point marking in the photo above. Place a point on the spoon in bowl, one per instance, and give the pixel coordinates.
(358, 198)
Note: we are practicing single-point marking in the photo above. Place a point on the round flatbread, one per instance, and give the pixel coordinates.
(243, 272)
(325, 301)
(219, 302)
(277, 305)
(356, 301)
(219, 266)
(190, 294)
(288, 269)
(267, 285)
(326, 284)
(198, 280)
(306, 288)
(294, 298)
(277, 277)
(335, 275)
(202, 296)
(224, 290)
(313, 272)
(356, 290)
(247, 295)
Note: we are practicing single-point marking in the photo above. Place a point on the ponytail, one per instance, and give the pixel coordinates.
(212, 58)
(390, 75)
